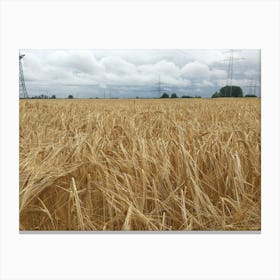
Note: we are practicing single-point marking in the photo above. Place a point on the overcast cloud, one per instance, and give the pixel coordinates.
(131, 73)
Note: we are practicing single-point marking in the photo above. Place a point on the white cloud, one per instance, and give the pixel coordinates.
(250, 73)
(206, 83)
(117, 65)
(195, 70)
(205, 56)
(181, 68)
(198, 71)
(218, 73)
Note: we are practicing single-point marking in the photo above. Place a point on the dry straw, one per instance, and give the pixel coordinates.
(140, 165)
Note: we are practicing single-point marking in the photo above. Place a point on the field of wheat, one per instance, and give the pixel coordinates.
(180, 164)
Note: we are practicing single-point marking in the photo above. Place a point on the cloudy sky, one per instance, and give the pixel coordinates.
(131, 73)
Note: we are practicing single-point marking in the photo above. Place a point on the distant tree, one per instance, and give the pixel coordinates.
(137, 97)
(250, 95)
(174, 95)
(53, 97)
(42, 96)
(197, 96)
(216, 95)
(231, 91)
(165, 95)
(186, 96)
(70, 96)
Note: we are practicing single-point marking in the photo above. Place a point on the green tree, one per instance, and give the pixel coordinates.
(174, 95)
(231, 91)
(250, 95)
(186, 96)
(53, 97)
(165, 95)
(216, 95)
(70, 96)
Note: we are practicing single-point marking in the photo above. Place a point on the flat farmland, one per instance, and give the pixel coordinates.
(140, 164)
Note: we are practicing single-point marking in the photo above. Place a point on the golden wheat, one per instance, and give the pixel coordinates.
(140, 164)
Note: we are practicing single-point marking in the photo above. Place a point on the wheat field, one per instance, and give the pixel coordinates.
(175, 164)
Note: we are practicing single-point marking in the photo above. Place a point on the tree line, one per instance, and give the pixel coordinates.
(44, 96)
(226, 91)
(174, 95)
(231, 91)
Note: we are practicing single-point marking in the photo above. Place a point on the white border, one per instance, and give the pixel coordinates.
(157, 24)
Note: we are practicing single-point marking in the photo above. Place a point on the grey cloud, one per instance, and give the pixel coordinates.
(132, 72)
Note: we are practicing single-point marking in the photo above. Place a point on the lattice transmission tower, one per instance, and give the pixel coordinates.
(253, 87)
(159, 87)
(22, 88)
(230, 67)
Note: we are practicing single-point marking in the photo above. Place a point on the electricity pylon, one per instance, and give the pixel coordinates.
(231, 59)
(22, 87)
(159, 87)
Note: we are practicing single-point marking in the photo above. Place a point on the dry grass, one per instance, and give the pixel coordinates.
(140, 164)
